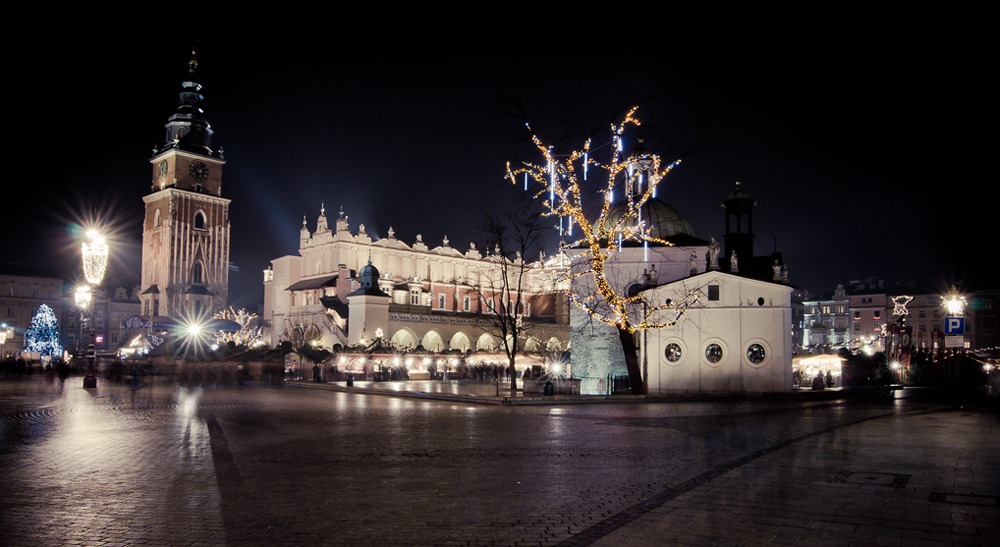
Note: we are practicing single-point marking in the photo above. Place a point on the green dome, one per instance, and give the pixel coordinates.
(662, 219)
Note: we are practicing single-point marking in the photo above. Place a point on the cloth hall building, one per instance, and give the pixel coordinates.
(352, 288)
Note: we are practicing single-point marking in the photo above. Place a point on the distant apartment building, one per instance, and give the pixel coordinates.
(825, 320)
(984, 305)
(111, 308)
(868, 308)
(22, 291)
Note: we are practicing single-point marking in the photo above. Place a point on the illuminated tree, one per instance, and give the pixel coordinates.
(42, 336)
(563, 183)
(249, 332)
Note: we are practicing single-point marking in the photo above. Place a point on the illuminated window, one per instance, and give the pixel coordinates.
(713, 353)
(673, 353)
(756, 354)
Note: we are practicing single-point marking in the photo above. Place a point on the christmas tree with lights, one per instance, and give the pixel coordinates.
(42, 336)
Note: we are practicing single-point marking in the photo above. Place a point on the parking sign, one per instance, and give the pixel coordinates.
(954, 325)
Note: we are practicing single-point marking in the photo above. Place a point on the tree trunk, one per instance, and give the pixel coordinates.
(513, 379)
(632, 362)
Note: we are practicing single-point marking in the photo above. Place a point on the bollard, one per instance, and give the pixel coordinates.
(350, 381)
(549, 389)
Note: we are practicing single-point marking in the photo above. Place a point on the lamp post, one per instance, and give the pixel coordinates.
(95, 262)
(82, 299)
(954, 330)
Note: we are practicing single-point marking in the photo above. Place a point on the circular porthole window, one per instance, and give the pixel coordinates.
(760, 300)
(713, 353)
(673, 352)
(756, 354)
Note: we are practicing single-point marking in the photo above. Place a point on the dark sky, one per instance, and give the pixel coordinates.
(866, 155)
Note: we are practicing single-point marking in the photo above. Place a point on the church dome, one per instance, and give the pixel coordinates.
(663, 220)
(369, 276)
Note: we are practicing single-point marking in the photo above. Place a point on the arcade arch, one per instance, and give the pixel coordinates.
(405, 337)
(460, 342)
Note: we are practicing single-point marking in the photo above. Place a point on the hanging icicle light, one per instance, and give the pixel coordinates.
(603, 237)
(95, 258)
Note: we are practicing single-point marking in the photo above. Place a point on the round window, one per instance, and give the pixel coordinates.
(713, 353)
(756, 354)
(673, 352)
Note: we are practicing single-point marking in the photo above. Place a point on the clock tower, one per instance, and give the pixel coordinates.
(185, 234)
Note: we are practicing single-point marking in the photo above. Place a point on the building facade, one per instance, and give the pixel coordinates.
(352, 289)
(22, 291)
(869, 311)
(687, 266)
(111, 307)
(826, 321)
(738, 339)
(185, 234)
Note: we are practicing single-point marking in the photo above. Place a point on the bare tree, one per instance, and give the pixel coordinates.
(508, 286)
(559, 182)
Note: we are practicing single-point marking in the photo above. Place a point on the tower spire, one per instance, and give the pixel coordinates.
(187, 128)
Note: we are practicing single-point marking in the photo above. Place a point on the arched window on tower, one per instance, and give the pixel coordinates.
(197, 274)
(199, 220)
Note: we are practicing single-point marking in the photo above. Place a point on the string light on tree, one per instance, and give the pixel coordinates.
(42, 336)
(559, 179)
(247, 335)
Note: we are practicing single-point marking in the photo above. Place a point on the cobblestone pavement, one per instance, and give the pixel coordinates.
(253, 465)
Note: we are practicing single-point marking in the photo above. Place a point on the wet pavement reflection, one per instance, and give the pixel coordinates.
(259, 465)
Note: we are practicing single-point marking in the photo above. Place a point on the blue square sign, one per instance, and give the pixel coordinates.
(954, 325)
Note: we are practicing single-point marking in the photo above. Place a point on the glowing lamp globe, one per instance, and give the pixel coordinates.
(82, 297)
(954, 302)
(95, 258)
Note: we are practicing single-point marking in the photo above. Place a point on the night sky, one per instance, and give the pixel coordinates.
(866, 155)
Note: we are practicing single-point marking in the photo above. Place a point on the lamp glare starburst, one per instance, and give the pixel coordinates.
(95, 258)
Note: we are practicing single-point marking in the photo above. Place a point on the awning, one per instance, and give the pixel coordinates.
(314, 283)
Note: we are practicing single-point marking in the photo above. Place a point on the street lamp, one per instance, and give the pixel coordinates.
(953, 302)
(82, 298)
(95, 258)
(95, 262)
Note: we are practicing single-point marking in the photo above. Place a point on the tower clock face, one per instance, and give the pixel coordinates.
(163, 169)
(198, 170)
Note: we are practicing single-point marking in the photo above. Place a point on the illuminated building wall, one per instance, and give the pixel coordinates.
(432, 295)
